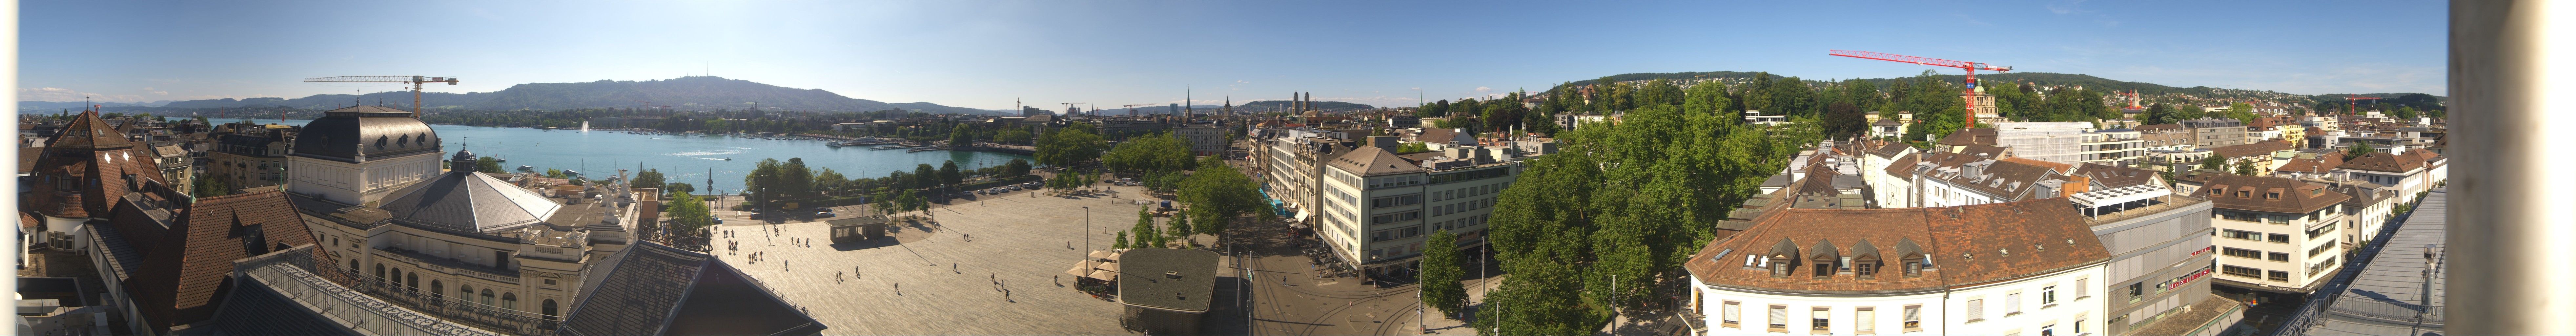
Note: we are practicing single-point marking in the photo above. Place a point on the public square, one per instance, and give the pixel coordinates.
(926, 284)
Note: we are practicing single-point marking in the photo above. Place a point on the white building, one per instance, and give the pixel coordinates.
(1950, 179)
(2412, 172)
(357, 154)
(2060, 142)
(1379, 207)
(2116, 147)
(1905, 271)
(1886, 171)
(2276, 234)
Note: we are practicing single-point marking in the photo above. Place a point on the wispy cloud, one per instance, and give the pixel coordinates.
(1484, 89)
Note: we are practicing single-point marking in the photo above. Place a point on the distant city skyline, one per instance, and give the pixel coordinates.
(988, 54)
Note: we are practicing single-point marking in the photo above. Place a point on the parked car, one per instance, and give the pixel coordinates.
(825, 214)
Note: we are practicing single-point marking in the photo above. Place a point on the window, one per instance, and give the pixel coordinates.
(2012, 304)
(2246, 235)
(1865, 320)
(1733, 314)
(1866, 270)
(1824, 269)
(1779, 268)
(2277, 256)
(2080, 291)
(2078, 327)
(487, 296)
(1779, 318)
(2241, 253)
(2280, 238)
(1820, 320)
(2321, 248)
(510, 301)
(2137, 289)
(548, 307)
(437, 290)
(2048, 330)
(2047, 296)
(2280, 276)
(550, 281)
(1913, 318)
(465, 292)
(1976, 310)
(2241, 271)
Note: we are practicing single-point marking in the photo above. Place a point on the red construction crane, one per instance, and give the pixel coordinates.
(1971, 67)
(414, 80)
(2352, 102)
(2133, 98)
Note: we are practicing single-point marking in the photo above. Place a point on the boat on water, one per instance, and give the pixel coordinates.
(569, 172)
(528, 168)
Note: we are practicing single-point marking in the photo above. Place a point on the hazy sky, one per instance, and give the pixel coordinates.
(985, 54)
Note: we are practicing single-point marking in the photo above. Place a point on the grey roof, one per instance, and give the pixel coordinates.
(660, 290)
(2384, 297)
(469, 202)
(1142, 280)
(279, 298)
(121, 256)
(375, 132)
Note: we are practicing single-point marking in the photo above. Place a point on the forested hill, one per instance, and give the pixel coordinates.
(684, 93)
(2089, 82)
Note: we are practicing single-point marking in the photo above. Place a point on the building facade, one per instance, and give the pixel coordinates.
(1902, 271)
(2275, 234)
(1379, 208)
(252, 155)
(357, 154)
(2213, 133)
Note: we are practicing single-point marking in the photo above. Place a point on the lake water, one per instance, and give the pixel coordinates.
(686, 159)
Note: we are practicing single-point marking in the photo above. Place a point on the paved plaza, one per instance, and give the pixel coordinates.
(928, 285)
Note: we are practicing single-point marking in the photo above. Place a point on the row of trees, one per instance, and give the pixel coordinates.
(1210, 198)
(1069, 145)
(1626, 204)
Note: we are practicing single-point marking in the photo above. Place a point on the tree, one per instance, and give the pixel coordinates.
(830, 182)
(1440, 273)
(2213, 163)
(2357, 150)
(1146, 234)
(678, 187)
(554, 173)
(2406, 112)
(1217, 193)
(1069, 145)
(948, 174)
(1016, 168)
(212, 186)
(687, 211)
(1013, 136)
(961, 136)
(1411, 147)
(1145, 155)
(1178, 229)
(649, 178)
(1844, 121)
(925, 176)
(1121, 244)
(488, 165)
(2245, 167)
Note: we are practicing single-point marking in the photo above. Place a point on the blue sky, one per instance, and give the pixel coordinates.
(985, 54)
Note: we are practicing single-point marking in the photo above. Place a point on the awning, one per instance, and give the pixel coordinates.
(1112, 267)
(1301, 215)
(1104, 275)
(1098, 254)
(1113, 257)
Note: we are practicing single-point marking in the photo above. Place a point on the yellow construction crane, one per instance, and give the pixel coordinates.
(414, 80)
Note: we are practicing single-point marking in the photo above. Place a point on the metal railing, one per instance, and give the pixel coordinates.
(454, 309)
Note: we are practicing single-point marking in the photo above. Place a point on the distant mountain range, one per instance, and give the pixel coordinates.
(42, 105)
(684, 93)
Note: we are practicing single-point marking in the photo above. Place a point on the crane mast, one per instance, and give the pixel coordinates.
(415, 81)
(1971, 67)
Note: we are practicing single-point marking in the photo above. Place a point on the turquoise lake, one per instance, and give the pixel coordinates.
(687, 159)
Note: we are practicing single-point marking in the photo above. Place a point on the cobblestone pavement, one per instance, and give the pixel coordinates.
(1018, 241)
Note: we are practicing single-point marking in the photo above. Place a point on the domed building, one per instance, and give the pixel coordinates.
(357, 154)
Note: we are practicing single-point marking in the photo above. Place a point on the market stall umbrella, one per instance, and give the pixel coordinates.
(1104, 275)
(1113, 257)
(1100, 255)
(1078, 271)
(1112, 267)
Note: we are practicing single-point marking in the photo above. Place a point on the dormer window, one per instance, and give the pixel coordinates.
(2272, 195)
(1780, 267)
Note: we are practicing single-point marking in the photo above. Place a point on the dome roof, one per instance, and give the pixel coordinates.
(358, 133)
(463, 200)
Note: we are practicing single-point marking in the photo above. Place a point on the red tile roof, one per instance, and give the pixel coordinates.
(2316, 165)
(192, 260)
(1963, 243)
(2384, 162)
(2268, 194)
(86, 155)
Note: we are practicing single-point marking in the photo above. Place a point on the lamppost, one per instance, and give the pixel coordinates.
(1086, 233)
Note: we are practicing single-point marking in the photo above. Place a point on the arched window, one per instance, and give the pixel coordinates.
(547, 307)
(437, 290)
(353, 266)
(412, 281)
(487, 296)
(396, 277)
(510, 301)
(465, 292)
(380, 271)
